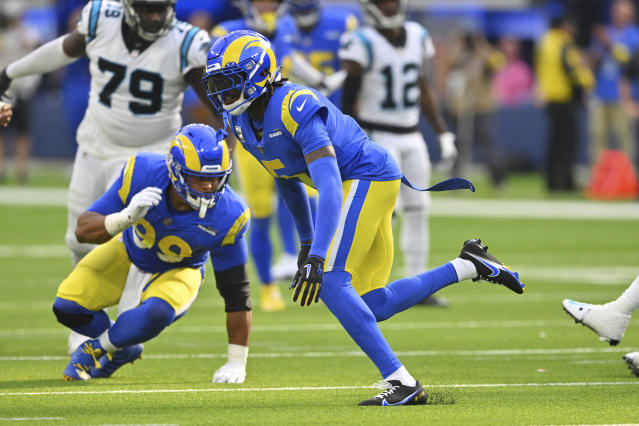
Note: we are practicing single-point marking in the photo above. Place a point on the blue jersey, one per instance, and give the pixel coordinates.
(167, 238)
(282, 41)
(321, 43)
(282, 153)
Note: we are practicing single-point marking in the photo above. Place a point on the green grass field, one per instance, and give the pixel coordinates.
(492, 357)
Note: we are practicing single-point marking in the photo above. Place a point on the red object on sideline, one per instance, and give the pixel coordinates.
(613, 177)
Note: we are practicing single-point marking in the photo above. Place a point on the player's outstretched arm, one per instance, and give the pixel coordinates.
(96, 228)
(46, 58)
(352, 86)
(432, 112)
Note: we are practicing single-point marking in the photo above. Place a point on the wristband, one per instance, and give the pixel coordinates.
(117, 222)
(237, 353)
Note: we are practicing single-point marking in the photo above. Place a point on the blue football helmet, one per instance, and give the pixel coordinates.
(305, 12)
(239, 68)
(195, 151)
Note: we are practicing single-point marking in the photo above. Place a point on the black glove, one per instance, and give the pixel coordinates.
(309, 276)
(5, 82)
(301, 257)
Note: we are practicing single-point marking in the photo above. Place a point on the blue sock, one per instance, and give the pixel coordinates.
(141, 324)
(358, 320)
(402, 294)
(79, 319)
(261, 249)
(287, 228)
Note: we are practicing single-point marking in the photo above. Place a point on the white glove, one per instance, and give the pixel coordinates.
(231, 372)
(448, 151)
(136, 210)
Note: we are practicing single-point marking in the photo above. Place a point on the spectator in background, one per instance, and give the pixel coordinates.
(611, 48)
(563, 79)
(513, 83)
(16, 40)
(470, 67)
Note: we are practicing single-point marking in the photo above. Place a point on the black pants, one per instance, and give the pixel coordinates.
(561, 151)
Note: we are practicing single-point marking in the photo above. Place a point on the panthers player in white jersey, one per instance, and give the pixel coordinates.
(386, 62)
(141, 61)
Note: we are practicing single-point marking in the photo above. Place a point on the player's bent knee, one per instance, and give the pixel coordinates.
(70, 314)
(378, 302)
(233, 285)
(158, 313)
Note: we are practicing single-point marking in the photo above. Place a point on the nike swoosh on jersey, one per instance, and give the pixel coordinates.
(299, 108)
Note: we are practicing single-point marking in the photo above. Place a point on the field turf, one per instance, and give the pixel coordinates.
(492, 357)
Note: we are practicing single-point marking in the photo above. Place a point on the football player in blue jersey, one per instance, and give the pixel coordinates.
(299, 136)
(319, 29)
(269, 18)
(156, 229)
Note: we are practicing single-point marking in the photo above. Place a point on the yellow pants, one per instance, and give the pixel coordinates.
(98, 280)
(363, 242)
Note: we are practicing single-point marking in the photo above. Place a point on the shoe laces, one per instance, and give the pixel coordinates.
(95, 353)
(386, 387)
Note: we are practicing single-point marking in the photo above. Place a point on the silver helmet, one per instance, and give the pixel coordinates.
(133, 20)
(374, 17)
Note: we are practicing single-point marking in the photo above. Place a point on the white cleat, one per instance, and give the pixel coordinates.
(285, 267)
(609, 324)
(632, 360)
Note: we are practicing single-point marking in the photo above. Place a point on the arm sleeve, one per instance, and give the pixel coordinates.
(312, 135)
(327, 179)
(294, 195)
(46, 58)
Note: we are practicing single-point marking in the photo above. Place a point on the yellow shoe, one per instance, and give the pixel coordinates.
(271, 298)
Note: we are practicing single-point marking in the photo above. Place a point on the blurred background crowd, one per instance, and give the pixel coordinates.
(542, 86)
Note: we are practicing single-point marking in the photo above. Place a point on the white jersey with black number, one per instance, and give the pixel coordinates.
(136, 97)
(390, 91)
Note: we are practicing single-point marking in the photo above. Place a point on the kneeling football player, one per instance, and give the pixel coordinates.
(157, 228)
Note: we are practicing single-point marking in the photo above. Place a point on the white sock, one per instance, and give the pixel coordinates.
(465, 269)
(105, 342)
(629, 299)
(403, 376)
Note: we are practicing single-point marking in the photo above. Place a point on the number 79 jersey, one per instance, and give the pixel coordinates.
(390, 91)
(136, 97)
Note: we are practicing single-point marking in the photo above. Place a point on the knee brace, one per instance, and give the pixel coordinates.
(70, 314)
(233, 285)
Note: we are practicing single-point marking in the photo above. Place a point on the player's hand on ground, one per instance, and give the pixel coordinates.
(308, 281)
(142, 202)
(231, 372)
(448, 151)
(6, 112)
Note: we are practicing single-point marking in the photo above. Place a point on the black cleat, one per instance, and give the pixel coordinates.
(396, 393)
(489, 268)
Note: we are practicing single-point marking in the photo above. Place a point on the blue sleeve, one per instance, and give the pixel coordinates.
(110, 202)
(226, 257)
(312, 134)
(294, 195)
(328, 181)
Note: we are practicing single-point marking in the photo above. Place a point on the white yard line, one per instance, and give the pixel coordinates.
(312, 388)
(335, 354)
(441, 206)
(287, 328)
